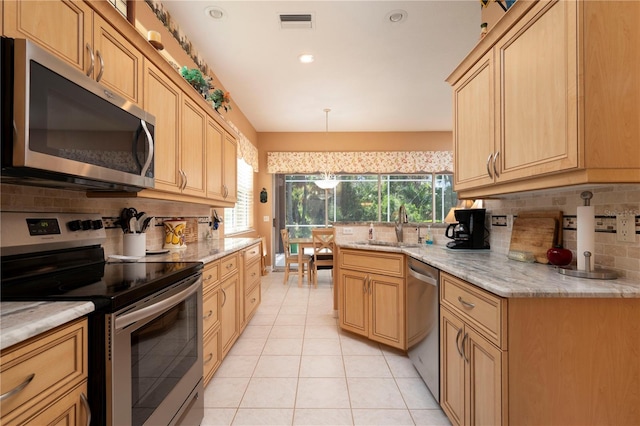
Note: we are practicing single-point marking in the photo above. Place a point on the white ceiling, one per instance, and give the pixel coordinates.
(373, 74)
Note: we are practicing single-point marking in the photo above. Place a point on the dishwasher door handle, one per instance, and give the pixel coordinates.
(429, 280)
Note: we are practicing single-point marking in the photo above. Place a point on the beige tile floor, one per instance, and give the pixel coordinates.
(294, 366)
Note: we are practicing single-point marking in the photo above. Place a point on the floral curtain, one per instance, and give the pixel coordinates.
(360, 162)
(246, 150)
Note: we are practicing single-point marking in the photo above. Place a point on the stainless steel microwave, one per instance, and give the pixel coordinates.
(63, 129)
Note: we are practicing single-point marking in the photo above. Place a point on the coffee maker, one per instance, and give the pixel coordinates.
(469, 232)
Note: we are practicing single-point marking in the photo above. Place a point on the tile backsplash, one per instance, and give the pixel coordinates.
(608, 200)
(35, 199)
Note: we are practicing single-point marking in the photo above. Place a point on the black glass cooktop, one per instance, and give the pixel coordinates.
(110, 286)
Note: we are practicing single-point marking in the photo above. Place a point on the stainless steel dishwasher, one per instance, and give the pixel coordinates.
(423, 322)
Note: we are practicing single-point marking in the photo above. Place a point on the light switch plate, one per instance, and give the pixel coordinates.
(347, 231)
(626, 228)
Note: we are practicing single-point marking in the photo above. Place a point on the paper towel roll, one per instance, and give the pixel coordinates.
(586, 235)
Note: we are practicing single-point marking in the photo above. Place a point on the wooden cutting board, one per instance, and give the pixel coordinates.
(554, 214)
(535, 235)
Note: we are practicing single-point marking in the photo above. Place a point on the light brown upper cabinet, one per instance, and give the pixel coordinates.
(77, 35)
(221, 163)
(548, 99)
(162, 100)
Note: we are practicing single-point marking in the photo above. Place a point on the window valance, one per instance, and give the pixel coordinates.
(360, 162)
(246, 150)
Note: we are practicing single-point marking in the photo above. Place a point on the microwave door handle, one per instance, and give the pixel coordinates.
(147, 164)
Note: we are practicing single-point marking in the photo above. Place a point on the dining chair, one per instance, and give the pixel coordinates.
(290, 258)
(323, 248)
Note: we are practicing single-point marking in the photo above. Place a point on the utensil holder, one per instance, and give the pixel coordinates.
(134, 244)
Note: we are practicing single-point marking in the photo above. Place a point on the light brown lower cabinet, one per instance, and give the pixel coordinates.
(229, 312)
(371, 301)
(537, 360)
(43, 380)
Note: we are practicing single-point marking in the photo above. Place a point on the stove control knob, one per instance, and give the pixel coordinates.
(97, 224)
(74, 225)
(86, 225)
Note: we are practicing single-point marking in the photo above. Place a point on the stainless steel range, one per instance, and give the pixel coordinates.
(145, 337)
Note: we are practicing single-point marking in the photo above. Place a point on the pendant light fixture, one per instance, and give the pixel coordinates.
(328, 180)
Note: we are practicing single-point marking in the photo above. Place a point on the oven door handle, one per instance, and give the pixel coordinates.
(159, 307)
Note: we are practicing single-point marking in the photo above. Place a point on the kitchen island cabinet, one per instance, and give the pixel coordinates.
(372, 290)
(538, 96)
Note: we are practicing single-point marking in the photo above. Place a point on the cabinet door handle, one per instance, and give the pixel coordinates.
(101, 66)
(224, 298)
(458, 341)
(208, 314)
(93, 60)
(465, 303)
(209, 358)
(495, 160)
(18, 388)
(464, 355)
(253, 300)
(87, 407)
(489, 165)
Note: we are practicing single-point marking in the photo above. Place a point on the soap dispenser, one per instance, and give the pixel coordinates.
(429, 237)
(371, 231)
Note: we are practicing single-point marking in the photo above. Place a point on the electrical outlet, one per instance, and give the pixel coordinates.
(626, 228)
(265, 218)
(347, 231)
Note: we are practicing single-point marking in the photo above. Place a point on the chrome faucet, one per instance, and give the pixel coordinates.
(402, 219)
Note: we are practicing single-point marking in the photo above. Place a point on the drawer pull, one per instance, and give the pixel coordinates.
(87, 407)
(208, 315)
(253, 300)
(18, 388)
(229, 265)
(465, 303)
(253, 274)
(209, 358)
(208, 277)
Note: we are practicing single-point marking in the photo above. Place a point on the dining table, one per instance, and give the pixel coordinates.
(306, 242)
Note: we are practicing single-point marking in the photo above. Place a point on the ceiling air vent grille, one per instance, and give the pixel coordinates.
(296, 21)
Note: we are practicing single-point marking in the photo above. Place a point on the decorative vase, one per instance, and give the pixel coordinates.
(174, 234)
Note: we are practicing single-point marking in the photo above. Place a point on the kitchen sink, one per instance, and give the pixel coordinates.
(389, 243)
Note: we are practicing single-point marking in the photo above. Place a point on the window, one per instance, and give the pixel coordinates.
(240, 218)
(364, 198)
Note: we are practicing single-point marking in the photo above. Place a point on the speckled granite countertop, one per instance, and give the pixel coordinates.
(204, 250)
(510, 278)
(22, 320)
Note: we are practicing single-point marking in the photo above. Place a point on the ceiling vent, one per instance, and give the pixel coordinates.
(296, 21)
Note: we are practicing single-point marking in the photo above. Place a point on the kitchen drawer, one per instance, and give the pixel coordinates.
(212, 355)
(228, 265)
(251, 302)
(484, 311)
(210, 276)
(210, 310)
(252, 254)
(252, 277)
(63, 348)
(69, 409)
(389, 264)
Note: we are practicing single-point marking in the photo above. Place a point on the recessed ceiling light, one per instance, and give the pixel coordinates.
(306, 58)
(396, 16)
(215, 12)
